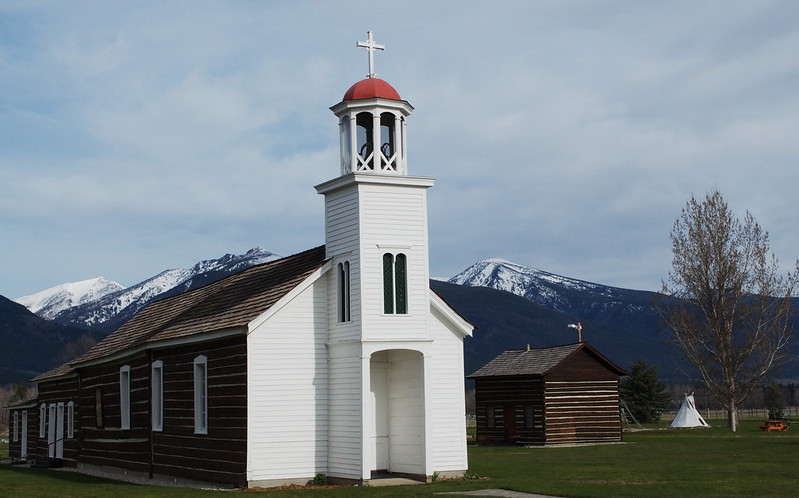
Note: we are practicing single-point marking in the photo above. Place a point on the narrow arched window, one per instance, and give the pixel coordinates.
(395, 284)
(343, 284)
(42, 420)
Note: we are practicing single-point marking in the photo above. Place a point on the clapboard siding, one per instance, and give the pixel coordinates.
(448, 424)
(341, 221)
(345, 412)
(288, 390)
(394, 219)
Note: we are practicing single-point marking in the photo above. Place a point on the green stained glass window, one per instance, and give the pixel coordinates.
(388, 283)
(401, 283)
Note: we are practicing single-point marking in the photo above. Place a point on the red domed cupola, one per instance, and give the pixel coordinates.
(372, 124)
(370, 88)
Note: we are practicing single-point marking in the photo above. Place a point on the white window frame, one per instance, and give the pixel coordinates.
(71, 420)
(51, 430)
(43, 420)
(15, 437)
(23, 448)
(157, 406)
(201, 395)
(124, 397)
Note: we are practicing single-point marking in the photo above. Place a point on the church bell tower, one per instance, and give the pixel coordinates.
(381, 331)
(376, 216)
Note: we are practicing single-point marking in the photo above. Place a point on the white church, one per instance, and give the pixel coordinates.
(339, 360)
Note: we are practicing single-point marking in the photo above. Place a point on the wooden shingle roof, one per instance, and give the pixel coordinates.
(536, 361)
(228, 303)
(58, 371)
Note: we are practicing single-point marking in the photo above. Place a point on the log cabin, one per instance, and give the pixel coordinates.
(338, 360)
(548, 396)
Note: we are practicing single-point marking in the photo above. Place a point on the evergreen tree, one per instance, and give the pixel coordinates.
(773, 395)
(644, 394)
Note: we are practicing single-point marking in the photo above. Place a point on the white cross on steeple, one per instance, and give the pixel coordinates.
(371, 46)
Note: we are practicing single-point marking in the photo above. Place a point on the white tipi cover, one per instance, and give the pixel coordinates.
(688, 416)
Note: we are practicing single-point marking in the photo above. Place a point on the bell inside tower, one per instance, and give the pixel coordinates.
(365, 140)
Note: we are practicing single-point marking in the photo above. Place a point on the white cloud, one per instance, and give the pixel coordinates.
(569, 135)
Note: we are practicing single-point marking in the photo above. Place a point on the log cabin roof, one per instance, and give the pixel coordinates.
(537, 361)
(58, 371)
(227, 303)
(22, 403)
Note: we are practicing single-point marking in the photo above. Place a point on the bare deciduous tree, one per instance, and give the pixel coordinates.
(734, 310)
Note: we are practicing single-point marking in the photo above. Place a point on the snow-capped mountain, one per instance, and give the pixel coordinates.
(48, 303)
(547, 289)
(112, 309)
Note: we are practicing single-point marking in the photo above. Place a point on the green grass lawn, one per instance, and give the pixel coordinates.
(699, 462)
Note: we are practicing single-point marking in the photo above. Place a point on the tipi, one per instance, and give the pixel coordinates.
(688, 416)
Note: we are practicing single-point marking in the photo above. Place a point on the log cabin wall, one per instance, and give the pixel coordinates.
(15, 415)
(56, 394)
(582, 402)
(218, 456)
(103, 441)
(509, 410)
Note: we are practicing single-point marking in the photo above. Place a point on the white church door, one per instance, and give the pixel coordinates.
(380, 409)
(398, 419)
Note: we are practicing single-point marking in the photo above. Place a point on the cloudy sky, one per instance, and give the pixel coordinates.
(565, 136)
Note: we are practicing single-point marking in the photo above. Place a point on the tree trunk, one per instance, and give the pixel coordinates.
(732, 418)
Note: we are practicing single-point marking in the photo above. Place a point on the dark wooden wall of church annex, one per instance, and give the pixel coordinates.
(219, 456)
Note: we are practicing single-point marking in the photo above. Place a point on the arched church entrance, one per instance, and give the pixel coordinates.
(397, 412)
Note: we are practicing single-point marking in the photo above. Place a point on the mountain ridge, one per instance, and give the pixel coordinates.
(112, 309)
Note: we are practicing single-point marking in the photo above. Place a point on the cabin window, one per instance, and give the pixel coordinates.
(15, 437)
(42, 420)
(51, 430)
(71, 420)
(24, 434)
(201, 395)
(529, 416)
(158, 395)
(343, 291)
(124, 396)
(98, 408)
(491, 421)
(395, 284)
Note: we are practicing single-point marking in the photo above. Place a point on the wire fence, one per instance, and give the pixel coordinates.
(743, 413)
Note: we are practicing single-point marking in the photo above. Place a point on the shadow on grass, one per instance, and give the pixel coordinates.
(59, 475)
